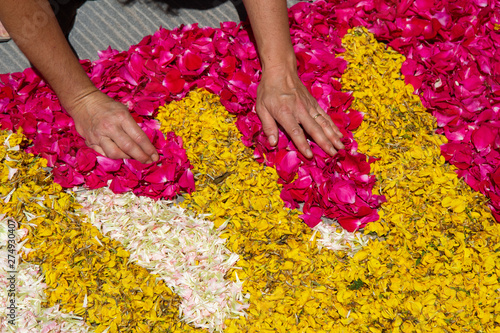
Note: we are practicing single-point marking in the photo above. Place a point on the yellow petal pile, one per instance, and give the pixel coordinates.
(437, 269)
(30, 316)
(87, 273)
(287, 277)
(434, 266)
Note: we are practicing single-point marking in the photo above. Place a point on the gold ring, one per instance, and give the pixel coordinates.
(316, 116)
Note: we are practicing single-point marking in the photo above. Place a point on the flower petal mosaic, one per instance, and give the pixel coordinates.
(397, 232)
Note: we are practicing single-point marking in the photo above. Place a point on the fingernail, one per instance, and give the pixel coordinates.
(272, 140)
(154, 157)
(333, 151)
(309, 153)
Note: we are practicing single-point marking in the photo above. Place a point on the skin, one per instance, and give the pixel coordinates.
(107, 125)
(281, 96)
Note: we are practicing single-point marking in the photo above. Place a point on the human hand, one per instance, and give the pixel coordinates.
(282, 97)
(109, 129)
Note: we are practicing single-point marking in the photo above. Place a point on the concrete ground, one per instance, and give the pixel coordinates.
(114, 23)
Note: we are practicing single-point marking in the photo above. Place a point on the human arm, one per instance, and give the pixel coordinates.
(106, 125)
(281, 96)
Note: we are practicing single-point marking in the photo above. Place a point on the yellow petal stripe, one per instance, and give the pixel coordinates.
(436, 267)
(288, 279)
(87, 273)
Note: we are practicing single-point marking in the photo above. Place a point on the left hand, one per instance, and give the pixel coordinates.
(282, 97)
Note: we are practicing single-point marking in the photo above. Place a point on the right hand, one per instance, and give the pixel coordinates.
(110, 130)
(283, 98)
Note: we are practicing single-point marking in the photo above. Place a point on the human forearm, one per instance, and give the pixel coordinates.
(269, 20)
(281, 96)
(105, 124)
(34, 28)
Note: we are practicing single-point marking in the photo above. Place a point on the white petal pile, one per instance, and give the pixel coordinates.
(186, 252)
(336, 238)
(30, 316)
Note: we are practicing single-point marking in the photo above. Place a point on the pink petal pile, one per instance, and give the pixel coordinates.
(451, 61)
(164, 67)
(27, 102)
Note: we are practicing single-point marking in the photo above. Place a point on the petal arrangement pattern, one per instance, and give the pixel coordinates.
(87, 274)
(452, 61)
(434, 230)
(31, 315)
(96, 277)
(185, 252)
(435, 268)
(286, 275)
(164, 67)
(441, 42)
(420, 175)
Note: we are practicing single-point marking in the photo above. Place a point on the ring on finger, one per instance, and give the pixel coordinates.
(316, 115)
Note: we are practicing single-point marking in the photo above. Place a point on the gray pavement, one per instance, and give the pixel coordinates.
(104, 23)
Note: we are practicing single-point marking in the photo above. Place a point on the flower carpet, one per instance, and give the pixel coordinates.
(397, 232)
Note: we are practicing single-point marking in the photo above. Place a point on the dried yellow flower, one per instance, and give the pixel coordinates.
(86, 273)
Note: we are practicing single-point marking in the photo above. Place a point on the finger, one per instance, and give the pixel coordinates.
(268, 125)
(129, 147)
(330, 121)
(292, 127)
(140, 138)
(317, 132)
(97, 148)
(111, 149)
(329, 129)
